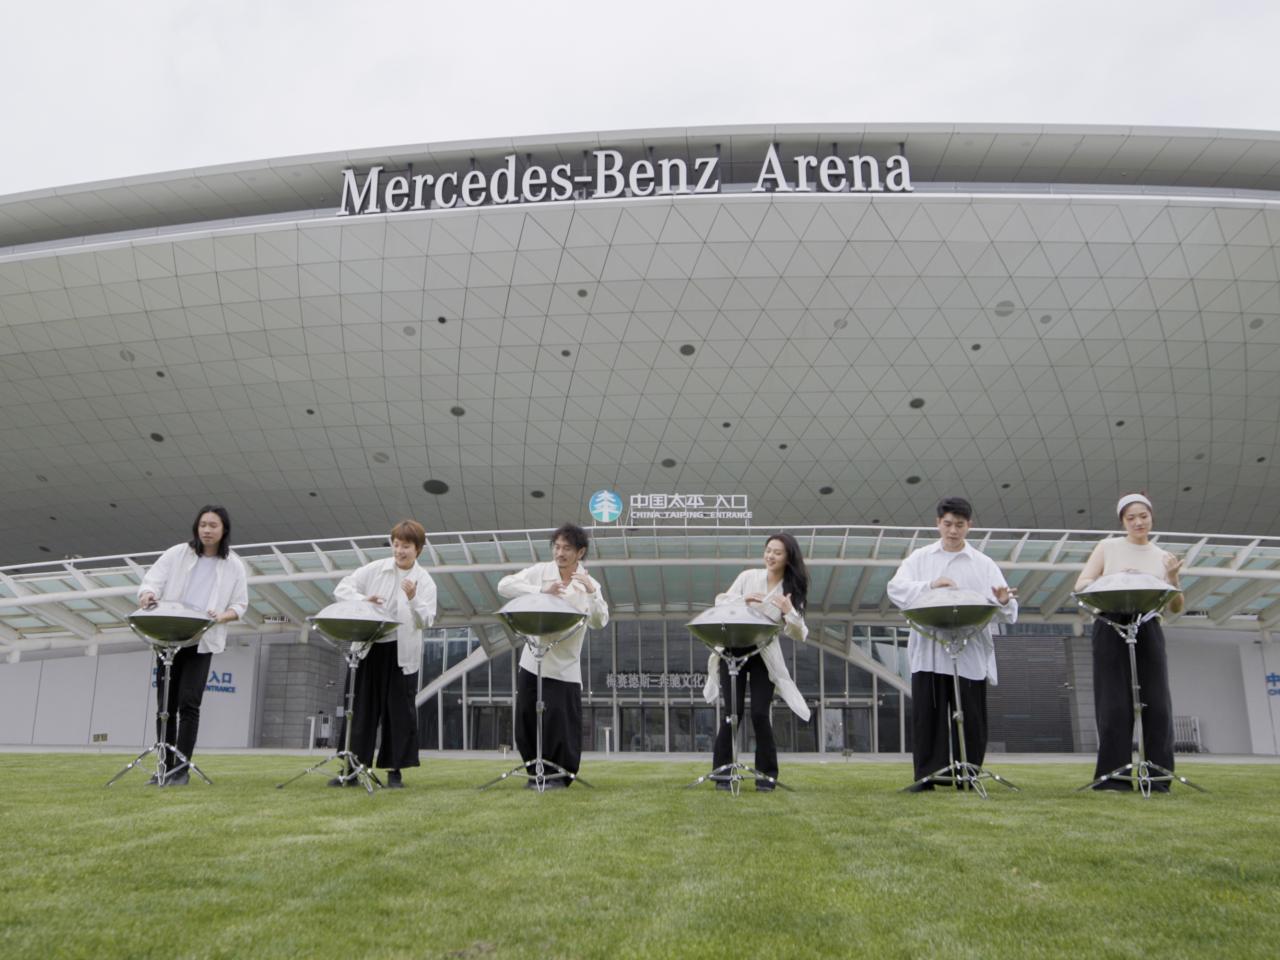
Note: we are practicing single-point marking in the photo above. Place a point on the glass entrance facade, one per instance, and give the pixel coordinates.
(642, 692)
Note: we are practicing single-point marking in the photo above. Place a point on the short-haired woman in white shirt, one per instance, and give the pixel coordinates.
(1112, 686)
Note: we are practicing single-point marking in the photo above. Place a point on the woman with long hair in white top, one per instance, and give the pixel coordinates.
(782, 585)
(1112, 685)
(204, 574)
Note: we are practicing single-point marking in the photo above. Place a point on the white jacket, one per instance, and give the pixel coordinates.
(969, 569)
(168, 577)
(564, 660)
(379, 579)
(757, 581)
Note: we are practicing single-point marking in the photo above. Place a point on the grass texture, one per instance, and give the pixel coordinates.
(638, 867)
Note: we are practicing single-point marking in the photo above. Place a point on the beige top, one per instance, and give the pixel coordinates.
(1118, 555)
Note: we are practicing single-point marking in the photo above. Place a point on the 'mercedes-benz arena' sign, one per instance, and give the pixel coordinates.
(606, 176)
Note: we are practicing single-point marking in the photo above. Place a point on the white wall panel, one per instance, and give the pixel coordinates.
(65, 704)
(123, 702)
(19, 688)
(1204, 678)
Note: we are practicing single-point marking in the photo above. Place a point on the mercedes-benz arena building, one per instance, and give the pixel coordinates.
(822, 329)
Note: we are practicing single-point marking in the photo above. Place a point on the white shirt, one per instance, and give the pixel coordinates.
(968, 569)
(382, 578)
(564, 660)
(757, 581)
(200, 584)
(172, 571)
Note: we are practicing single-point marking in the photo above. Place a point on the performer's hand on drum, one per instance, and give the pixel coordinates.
(375, 600)
(148, 600)
(555, 588)
(942, 582)
(753, 598)
(1004, 594)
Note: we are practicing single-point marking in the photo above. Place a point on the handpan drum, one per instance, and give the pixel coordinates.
(169, 624)
(734, 624)
(540, 614)
(950, 609)
(1127, 593)
(353, 621)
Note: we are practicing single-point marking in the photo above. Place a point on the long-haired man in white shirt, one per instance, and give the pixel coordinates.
(567, 578)
(387, 681)
(950, 562)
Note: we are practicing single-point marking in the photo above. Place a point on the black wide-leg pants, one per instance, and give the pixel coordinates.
(932, 702)
(187, 680)
(384, 701)
(561, 721)
(1113, 699)
(754, 674)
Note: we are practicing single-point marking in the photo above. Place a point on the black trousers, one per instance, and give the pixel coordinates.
(1113, 699)
(561, 721)
(755, 675)
(933, 698)
(384, 702)
(187, 681)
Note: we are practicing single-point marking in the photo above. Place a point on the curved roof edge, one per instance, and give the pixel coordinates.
(1133, 156)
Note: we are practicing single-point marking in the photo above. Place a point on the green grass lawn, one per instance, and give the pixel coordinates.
(845, 866)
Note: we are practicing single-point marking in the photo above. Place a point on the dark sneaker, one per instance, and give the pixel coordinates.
(724, 785)
(177, 779)
(765, 786)
(920, 788)
(394, 780)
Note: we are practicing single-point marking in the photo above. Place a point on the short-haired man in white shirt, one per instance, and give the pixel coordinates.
(567, 578)
(950, 562)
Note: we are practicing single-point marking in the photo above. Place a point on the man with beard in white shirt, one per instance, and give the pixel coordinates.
(950, 562)
(567, 578)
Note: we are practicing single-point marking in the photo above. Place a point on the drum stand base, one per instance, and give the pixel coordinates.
(351, 769)
(164, 772)
(735, 769)
(960, 773)
(1140, 771)
(539, 776)
(963, 776)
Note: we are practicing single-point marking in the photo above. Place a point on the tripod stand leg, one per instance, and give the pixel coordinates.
(135, 762)
(310, 769)
(1171, 776)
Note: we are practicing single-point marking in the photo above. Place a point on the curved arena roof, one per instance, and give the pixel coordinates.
(1049, 315)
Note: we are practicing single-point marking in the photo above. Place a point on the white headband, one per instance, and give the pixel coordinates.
(1129, 498)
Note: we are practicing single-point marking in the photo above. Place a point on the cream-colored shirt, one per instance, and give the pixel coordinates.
(1118, 555)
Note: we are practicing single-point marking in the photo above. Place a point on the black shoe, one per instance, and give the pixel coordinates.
(920, 787)
(180, 779)
(394, 780)
(153, 780)
(1115, 786)
(557, 784)
(724, 785)
(765, 786)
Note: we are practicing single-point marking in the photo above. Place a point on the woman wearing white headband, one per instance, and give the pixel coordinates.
(1112, 697)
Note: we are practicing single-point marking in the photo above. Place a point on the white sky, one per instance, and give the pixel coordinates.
(92, 90)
